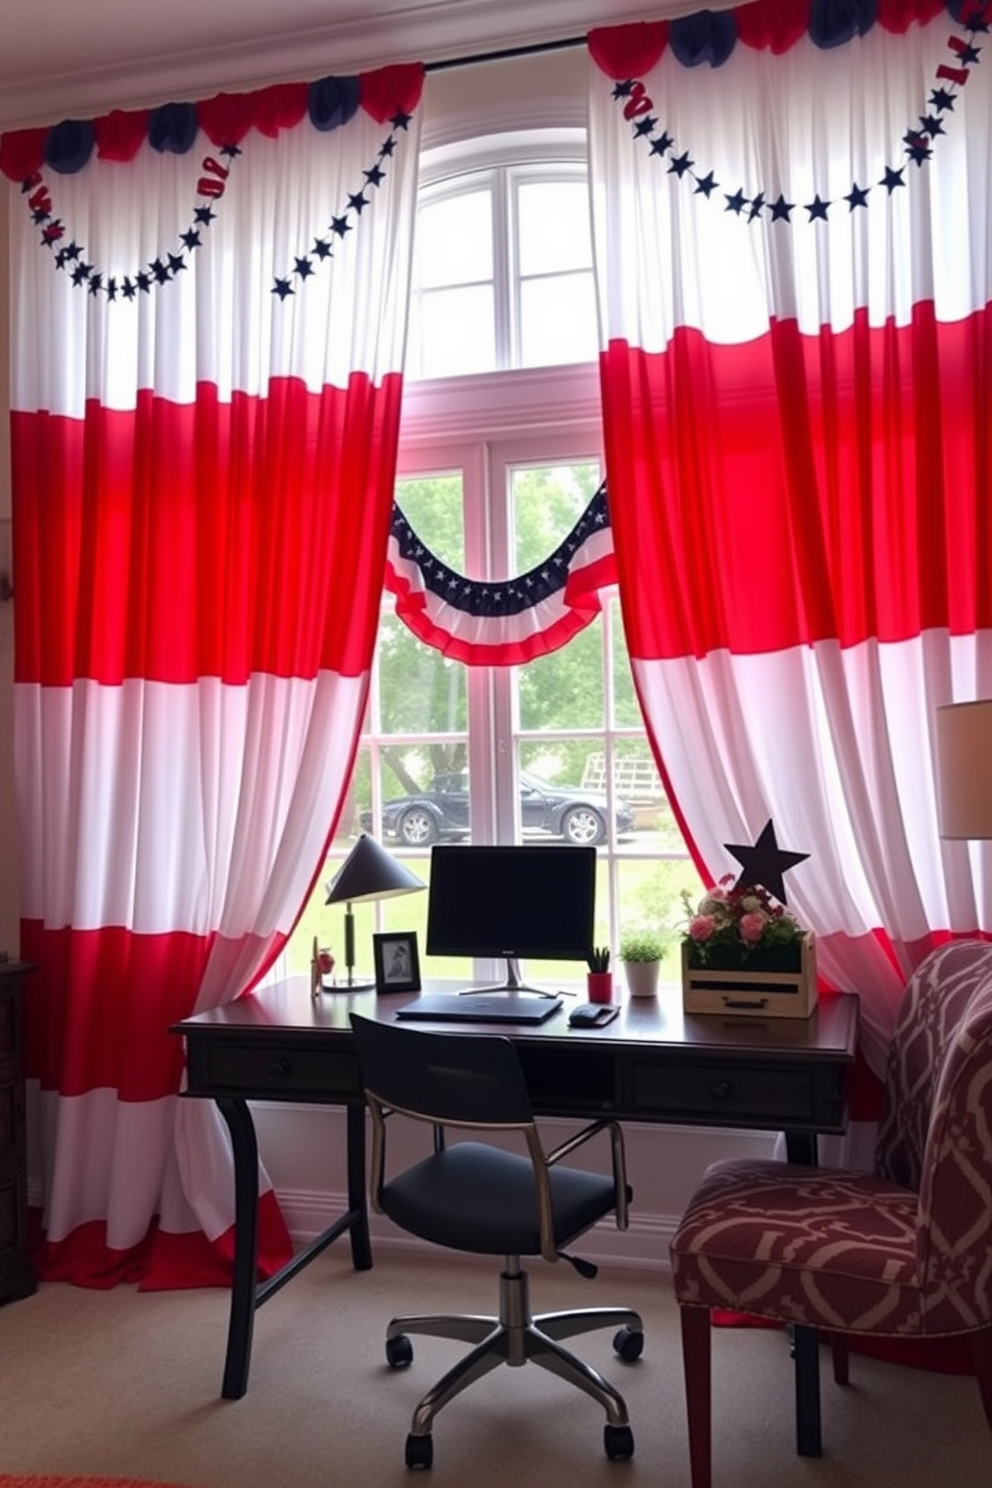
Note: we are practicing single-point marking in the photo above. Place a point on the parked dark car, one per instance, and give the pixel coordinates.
(571, 813)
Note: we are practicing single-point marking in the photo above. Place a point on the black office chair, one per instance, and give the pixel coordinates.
(475, 1196)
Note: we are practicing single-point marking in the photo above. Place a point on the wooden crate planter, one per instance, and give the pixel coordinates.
(760, 994)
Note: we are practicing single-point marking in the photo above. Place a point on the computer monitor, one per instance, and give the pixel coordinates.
(536, 901)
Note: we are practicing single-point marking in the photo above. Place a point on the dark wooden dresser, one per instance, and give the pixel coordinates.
(16, 1277)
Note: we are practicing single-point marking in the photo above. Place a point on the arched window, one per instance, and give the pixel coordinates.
(500, 454)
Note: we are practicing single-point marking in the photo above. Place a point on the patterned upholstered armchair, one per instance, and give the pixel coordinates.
(905, 1251)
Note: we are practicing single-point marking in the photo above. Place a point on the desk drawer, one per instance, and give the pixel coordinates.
(290, 1073)
(776, 1096)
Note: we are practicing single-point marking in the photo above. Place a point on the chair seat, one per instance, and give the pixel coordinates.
(825, 1247)
(475, 1197)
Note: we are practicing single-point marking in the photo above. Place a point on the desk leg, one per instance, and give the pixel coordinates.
(361, 1244)
(801, 1147)
(245, 1148)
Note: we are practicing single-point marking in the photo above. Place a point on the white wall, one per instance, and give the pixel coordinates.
(303, 1148)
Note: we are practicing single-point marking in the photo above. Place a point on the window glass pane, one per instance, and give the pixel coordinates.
(565, 689)
(453, 333)
(425, 793)
(558, 321)
(547, 501)
(432, 504)
(554, 228)
(555, 802)
(454, 241)
(651, 899)
(626, 708)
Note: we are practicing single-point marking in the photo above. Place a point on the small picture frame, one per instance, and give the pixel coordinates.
(397, 964)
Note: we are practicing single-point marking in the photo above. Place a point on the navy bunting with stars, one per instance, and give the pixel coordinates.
(625, 53)
(219, 130)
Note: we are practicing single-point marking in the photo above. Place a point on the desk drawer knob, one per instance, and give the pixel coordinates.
(280, 1068)
(721, 1090)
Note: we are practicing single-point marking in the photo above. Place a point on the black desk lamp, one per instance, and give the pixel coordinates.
(368, 872)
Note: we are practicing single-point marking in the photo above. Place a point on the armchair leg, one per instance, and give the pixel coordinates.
(841, 1357)
(981, 1353)
(695, 1323)
(806, 1343)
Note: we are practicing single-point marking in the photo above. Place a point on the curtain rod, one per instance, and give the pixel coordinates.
(521, 51)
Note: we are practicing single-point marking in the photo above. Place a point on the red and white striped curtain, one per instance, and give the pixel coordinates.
(208, 320)
(793, 237)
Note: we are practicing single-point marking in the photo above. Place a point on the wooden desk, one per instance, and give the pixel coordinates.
(652, 1064)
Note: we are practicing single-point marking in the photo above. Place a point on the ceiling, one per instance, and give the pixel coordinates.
(64, 58)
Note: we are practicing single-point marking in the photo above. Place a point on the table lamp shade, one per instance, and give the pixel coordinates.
(368, 872)
(964, 769)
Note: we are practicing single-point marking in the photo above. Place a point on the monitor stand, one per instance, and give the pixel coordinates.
(512, 984)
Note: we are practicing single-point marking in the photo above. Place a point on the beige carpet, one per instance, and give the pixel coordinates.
(127, 1385)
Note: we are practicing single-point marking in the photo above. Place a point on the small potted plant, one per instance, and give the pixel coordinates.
(600, 978)
(641, 952)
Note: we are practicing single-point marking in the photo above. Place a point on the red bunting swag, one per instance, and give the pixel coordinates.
(494, 623)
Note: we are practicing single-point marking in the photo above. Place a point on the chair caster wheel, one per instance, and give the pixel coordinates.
(399, 1351)
(420, 1450)
(628, 1345)
(619, 1443)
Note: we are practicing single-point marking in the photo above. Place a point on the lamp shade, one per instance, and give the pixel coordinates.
(368, 872)
(964, 769)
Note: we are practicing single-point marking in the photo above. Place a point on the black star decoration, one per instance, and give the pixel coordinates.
(764, 863)
(892, 179)
(706, 184)
(662, 144)
(781, 209)
(857, 196)
(942, 100)
(817, 208)
(621, 90)
(680, 164)
(737, 202)
(931, 126)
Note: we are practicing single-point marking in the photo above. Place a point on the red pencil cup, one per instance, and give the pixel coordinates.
(600, 984)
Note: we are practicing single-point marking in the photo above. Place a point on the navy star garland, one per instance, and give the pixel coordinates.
(69, 257)
(764, 864)
(486, 598)
(632, 96)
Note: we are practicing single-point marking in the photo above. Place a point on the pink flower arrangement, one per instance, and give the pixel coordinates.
(729, 925)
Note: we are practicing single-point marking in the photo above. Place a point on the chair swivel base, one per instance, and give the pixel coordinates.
(515, 1337)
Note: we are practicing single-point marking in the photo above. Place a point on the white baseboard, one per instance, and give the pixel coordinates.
(643, 1246)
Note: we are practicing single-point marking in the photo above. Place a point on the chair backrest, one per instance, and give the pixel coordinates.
(936, 1130)
(448, 1078)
